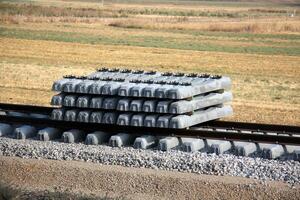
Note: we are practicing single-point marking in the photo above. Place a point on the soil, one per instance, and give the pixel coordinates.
(52, 179)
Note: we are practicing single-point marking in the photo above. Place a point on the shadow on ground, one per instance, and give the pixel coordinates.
(13, 192)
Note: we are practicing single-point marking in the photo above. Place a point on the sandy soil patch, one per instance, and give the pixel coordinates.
(46, 178)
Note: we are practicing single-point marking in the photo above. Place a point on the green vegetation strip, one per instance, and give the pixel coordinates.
(249, 36)
(144, 41)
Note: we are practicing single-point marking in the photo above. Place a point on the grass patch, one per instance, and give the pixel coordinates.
(251, 36)
(145, 41)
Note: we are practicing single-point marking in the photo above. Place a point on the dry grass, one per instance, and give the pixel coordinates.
(274, 25)
(56, 11)
(19, 19)
(61, 53)
(248, 26)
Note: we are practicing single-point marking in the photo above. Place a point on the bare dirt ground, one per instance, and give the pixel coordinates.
(39, 179)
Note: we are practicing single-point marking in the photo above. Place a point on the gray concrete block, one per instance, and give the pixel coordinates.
(211, 84)
(168, 143)
(145, 142)
(184, 79)
(296, 155)
(71, 115)
(96, 102)
(113, 74)
(57, 100)
(163, 121)
(124, 119)
(84, 87)
(180, 107)
(136, 105)
(144, 84)
(70, 100)
(38, 116)
(83, 101)
(17, 114)
(163, 106)
(199, 86)
(218, 146)
(271, 151)
(101, 74)
(124, 104)
(25, 131)
(73, 136)
(109, 118)
(59, 84)
(149, 106)
(212, 113)
(121, 139)
(49, 133)
(180, 92)
(291, 148)
(127, 75)
(96, 117)
(148, 77)
(199, 102)
(96, 87)
(150, 120)
(244, 148)
(5, 129)
(132, 76)
(162, 91)
(180, 121)
(173, 86)
(110, 103)
(137, 90)
(125, 88)
(149, 90)
(84, 116)
(97, 137)
(111, 88)
(192, 144)
(71, 85)
(162, 78)
(58, 114)
(137, 119)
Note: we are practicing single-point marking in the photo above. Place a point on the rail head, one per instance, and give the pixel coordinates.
(192, 132)
(26, 108)
(282, 129)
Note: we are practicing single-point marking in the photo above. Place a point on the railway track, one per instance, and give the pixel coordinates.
(220, 133)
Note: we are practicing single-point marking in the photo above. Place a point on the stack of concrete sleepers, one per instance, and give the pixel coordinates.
(139, 98)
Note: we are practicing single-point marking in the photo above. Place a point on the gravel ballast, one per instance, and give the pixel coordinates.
(198, 162)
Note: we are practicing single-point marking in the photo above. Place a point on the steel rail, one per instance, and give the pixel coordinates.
(193, 132)
(282, 129)
(228, 125)
(26, 108)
